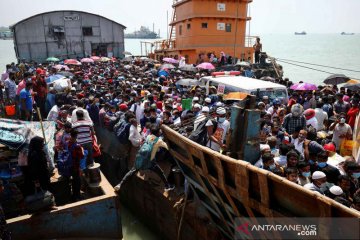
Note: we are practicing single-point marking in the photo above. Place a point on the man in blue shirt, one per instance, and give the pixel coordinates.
(26, 102)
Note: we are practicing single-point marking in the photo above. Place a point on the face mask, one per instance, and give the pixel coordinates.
(272, 166)
(342, 120)
(306, 174)
(323, 185)
(322, 164)
(221, 120)
(356, 175)
(311, 162)
(97, 104)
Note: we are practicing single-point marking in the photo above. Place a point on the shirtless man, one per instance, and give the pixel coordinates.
(258, 48)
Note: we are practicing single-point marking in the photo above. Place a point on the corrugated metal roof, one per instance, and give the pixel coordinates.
(75, 11)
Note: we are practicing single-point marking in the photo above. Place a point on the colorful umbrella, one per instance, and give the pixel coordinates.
(72, 62)
(206, 65)
(188, 68)
(60, 67)
(95, 58)
(171, 60)
(336, 79)
(352, 84)
(87, 60)
(167, 66)
(52, 59)
(66, 74)
(303, 87)
(53, 78)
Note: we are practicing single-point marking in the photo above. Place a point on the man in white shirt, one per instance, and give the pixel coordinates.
(136, 140)
(217, 136)
(80, 106)
(138, 109)
(321, 116)
(341, 130)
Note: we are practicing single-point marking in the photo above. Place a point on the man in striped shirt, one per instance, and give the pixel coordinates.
(85, 132)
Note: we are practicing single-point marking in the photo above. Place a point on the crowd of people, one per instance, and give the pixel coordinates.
(300, 140)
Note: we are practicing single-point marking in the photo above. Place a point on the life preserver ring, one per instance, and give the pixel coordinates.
(231, 73)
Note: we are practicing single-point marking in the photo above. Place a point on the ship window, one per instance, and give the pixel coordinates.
(188, 26)
(204, 25)
(87, 31)
(228, 27)
(180, 29)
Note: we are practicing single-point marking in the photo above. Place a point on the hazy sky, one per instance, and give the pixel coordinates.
(268, 16)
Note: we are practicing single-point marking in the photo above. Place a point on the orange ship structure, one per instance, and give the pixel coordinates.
(202, 27)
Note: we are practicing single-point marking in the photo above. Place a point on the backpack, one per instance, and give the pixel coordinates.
(200, 134)
(142, 159)
(123, 132)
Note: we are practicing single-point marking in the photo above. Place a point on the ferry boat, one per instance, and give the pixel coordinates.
(344, 33)
(197, 31)
(300, 33)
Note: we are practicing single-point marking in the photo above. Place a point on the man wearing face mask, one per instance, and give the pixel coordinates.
(341, 131)
(217, 136)
(319, 183)
(304, 173)
(294, 119)
(332, 173)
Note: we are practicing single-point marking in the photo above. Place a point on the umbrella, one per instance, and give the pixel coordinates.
(127, 66)
(171, 60)
(105, 59)
(188, 68)
(206, 65)
(127, 59)
(163, 73)
(352, 84)
(59, 67)
(52, 59)
(53, 78)
(235, 96)
(189, 82)
(336, 79)
(72, 62)
(66, 74)
(95, 58)
(127, 53)
(167, 66)
(303, 87)
(87, 60)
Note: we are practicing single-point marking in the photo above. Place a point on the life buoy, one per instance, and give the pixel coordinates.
(231, 73)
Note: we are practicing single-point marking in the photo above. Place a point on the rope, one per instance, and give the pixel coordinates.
(319, 65)
(314, 69)
(182, 217)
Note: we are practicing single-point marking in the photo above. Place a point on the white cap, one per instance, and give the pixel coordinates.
(264, 146)
(195, 99)
(205, 109)
(318, 175)
(219, 104)
(208, 100)
(73, 89)
(336, 190)
(197, 105)
(220, 111)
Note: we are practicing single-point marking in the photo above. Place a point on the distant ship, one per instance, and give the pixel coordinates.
(300, 33)
(143, 33)
(344, 33)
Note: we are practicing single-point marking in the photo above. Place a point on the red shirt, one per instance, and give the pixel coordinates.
(40, 87)
(351, 116)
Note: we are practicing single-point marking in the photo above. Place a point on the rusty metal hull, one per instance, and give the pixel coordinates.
(97, 217)
(229, 188)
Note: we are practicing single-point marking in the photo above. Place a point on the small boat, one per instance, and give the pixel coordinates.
(300, 33)
(344, 33)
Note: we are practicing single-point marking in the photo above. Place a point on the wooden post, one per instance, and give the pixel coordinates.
(41, 124)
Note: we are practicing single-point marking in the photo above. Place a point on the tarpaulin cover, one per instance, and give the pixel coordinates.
(17, 134)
